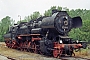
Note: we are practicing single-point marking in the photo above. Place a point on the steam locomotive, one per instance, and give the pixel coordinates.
(46, 35)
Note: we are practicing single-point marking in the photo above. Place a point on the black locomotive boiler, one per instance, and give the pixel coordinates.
(45, 35)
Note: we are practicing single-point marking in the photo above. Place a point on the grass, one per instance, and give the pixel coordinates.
(18, 55)
(12, 53)
(85, 53)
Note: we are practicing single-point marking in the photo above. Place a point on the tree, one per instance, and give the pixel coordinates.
(4, 25)
(33, 16)
(82, 33)
(49, 11)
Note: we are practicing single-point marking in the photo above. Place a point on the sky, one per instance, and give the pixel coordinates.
(13, 8)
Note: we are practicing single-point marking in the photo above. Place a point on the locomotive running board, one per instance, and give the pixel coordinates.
(28, 34)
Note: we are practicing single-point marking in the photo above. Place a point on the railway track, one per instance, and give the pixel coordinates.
(51, 58)
(68, 58)
(73, 58)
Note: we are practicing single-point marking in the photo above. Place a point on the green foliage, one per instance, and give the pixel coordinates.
(4, 25)
(82, 33)
(49, 11)
(86, 26)
(33, 16)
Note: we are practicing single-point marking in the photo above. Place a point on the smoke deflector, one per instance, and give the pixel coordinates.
(77, 22)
